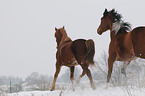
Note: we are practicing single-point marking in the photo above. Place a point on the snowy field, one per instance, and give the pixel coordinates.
(131, 85)
(111, 91)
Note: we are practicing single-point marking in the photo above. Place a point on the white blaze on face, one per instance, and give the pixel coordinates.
(116, 26)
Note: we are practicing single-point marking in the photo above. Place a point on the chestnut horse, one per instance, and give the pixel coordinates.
(125, 45)
(71, 53)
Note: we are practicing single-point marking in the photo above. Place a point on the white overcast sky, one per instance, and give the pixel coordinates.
(27, 42)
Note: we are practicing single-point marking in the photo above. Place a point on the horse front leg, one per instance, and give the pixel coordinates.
(58, 67)
(72, 68)
(111, 60)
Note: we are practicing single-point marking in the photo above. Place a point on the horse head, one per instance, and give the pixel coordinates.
(61, 36)
(112, 21)
(109, 17)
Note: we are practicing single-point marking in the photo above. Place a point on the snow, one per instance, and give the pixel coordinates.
(132, 85)
(101, 91)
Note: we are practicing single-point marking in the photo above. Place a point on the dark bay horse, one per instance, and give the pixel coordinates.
(125, 45)
(71, 53)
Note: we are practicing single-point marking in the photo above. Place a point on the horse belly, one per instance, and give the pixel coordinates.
(126, 55)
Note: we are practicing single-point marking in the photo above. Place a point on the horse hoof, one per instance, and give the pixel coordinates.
(78, 81)
(94, 87)
(107, 86)
(51, 90)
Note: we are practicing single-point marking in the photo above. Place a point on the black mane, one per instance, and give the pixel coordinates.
(126, 26)
(118, 18)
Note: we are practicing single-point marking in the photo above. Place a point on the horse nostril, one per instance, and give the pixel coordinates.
(99, 33)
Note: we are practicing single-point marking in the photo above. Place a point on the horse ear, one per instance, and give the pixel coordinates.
(55, 29)
(63, 27)
(105, 12)
(113, 10)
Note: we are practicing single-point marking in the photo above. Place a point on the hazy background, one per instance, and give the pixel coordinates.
(27, 42)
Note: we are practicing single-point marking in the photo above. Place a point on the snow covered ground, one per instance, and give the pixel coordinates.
(132, 85)
(111, 91)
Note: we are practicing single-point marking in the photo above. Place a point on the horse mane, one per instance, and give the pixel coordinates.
(118, 18)
(116, 15)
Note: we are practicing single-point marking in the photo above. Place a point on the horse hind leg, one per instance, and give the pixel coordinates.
(87, 71)
(72, 68)
(123, 70)
(83, 73)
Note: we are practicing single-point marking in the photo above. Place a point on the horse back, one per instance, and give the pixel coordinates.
(138, 39)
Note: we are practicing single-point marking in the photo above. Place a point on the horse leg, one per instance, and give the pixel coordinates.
(83, 73)
(55, 77)
(123, 70)
(111, 60)
(87, 71)
(72, 75)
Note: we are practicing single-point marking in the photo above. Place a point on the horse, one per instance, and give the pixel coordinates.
(71, 53)
(126, 44)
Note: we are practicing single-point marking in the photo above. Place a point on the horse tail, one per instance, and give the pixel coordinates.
(91, 51)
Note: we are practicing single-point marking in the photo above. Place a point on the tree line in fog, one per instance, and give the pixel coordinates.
(35, 81)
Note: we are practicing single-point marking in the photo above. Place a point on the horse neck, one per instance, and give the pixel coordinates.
(116, 28)
(64, 40)
(113, 34)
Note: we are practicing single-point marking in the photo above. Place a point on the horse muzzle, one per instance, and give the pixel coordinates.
(99, 32)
